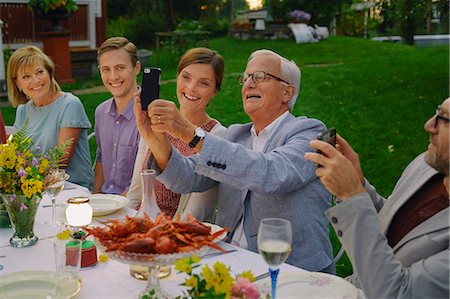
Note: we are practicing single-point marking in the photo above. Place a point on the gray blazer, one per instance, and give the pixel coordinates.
(277, 182)
(418, 266)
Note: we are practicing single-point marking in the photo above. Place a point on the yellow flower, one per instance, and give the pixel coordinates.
(43, 166)
(184, 265)
(206, 272)
(192, 282)
(219, 279)
(8, 157)
(103, 258)
(249, 275)
(31, 187)
(64, 235)
(195, 259)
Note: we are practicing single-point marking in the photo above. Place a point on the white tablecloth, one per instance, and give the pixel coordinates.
(110, 279)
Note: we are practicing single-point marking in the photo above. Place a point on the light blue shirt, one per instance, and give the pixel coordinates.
(45, 123)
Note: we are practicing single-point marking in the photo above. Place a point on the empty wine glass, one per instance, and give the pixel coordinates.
(56, 180)
(274, 244)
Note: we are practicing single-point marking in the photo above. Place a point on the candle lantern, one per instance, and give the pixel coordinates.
(78, 212)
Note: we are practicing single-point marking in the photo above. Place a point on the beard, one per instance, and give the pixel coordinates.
(441, 164)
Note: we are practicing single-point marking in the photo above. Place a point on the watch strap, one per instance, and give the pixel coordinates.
(196, 138)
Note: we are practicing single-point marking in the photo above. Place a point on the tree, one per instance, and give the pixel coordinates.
(407, 15)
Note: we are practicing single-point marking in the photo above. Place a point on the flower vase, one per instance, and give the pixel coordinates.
(4, 217)
(22, 213)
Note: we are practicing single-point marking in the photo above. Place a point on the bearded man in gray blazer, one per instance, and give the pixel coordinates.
(399, 248)
(259, 166)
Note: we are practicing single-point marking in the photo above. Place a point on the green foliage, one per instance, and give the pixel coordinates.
(406, 16)
(48, 5)
(188, 34)
(217, 26)
(351, 22)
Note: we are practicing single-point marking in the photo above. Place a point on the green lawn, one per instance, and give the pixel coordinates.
(377, 95)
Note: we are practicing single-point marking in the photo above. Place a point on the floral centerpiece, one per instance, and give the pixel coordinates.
(298, 16)
(215, 282)
(24, 175)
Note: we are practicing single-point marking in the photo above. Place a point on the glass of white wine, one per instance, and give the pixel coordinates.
(56, 180)
(274, 244)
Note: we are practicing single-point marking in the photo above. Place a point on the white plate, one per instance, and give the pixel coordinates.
(37, 285)
(105, 204)
(215, 228)
(310, 285)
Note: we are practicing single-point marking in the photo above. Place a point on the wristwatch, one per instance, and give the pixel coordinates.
(199, 134)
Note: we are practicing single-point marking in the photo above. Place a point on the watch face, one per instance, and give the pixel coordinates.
(200, 132)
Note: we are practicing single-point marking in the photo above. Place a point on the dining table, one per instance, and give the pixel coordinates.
(112, 279)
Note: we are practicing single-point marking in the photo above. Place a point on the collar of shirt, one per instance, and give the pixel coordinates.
(128, 113)
(260, 140)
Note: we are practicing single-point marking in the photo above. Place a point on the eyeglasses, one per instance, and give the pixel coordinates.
(258, 77)
(440, 117)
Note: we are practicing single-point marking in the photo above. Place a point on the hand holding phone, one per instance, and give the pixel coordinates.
(150, 85)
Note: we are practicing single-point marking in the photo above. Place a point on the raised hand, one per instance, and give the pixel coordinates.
(338, 172)
(156, 140)
(143, 121)
(166, 118)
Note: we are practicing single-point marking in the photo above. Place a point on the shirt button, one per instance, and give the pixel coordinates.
(339, 233)
(115, 144)
(117, 122)
(114, 165)
(334, 220)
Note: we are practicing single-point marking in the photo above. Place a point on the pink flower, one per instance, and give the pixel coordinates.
(12, 197)
(23, 207)
(22, 172)
(243, 288)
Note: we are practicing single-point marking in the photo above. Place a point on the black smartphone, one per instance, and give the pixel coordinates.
(328, 136)
(150, 85)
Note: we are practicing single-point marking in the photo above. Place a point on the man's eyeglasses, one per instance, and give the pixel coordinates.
(258, 77)
(440, 117)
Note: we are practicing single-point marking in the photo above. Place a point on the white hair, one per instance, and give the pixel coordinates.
(289, 71)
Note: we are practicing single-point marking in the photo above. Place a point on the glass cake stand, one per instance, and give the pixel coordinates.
(153, 262)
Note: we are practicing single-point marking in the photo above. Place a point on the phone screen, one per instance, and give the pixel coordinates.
(150, 85)
(328, 136)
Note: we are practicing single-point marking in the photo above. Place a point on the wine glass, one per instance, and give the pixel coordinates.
(56, 180)
(274, 244)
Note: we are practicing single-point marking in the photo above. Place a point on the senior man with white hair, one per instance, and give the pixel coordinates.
(259, 166)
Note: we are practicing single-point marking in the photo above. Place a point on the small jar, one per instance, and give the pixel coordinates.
(78, 211)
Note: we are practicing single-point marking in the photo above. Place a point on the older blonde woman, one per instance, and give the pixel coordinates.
(54, 116)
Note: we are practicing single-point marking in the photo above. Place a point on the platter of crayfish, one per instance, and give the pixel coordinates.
(139, 240)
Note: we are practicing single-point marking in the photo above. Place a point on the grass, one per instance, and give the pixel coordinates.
(377, 95)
